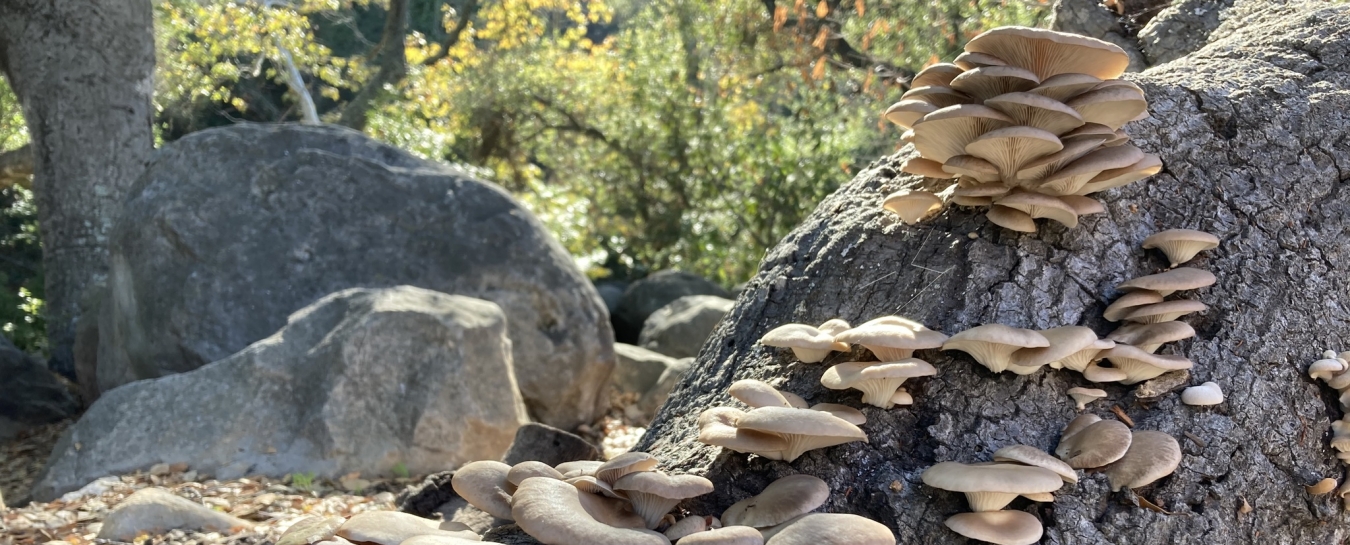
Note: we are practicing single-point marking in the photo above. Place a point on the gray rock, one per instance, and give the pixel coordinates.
(652, 400)
(30, 394)
(1181, 29)
(1254, 133)
(637, 369)
(611, 292)
(424, 498)
(1091, 18)
(156, 511)
(232, 229)
(362, 380)
(548, 444)
(679, 329)
(645, 296)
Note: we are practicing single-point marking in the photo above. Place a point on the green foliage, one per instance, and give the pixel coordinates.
(20, 248)
(302, 481)
(400, 470)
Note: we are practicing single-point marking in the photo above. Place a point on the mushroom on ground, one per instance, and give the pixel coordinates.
(992, 345)
(1178, 279)
(484, 484)
(990, 487)
(1032, 456)
(804, 429)
(781, 501)
(653, 493)
(1202, 395)
(1083, 396)
(998, 527)
(809, 344)
(878, 381)
(912, 206)
(829, 529)
(1098, 444)
(624, 464)
(1181, 245)
(1152, 455)
(551, 511)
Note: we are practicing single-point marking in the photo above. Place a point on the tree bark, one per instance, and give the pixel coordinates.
(83, 71)
(1253, 131)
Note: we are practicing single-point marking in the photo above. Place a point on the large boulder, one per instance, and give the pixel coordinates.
(646, 296)
(362, 380)
(637, 368)
(30, 394)
(1254, 130)
(1181, 28)
(232, 229)
(679, 329)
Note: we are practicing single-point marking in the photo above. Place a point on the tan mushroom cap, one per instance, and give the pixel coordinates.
(1152, 455)
(978, 202)
(795, 400)
(998, 527)
(591, 485)
(829, 529)
(781, 501)
(804, 429)
(551, 511)
(1048, 53)
(912, 206)
(532, 468)
(757, 393)
(902, 397)
(919, 166)
(1096, 445)
(577, 468)
(892, 341)
(992, 345)
(730, 535)
(1165, 311)
(1095, 131)
(1079, 423)
(940, 96)
(484, 484)
(1128, 303)
(945, 133)
(1083, 396)
(1203, 395)
(878, 381)
(974, 167)
(1011, 218)
(940, 74)
(1324, 486)
(843, 412)
(979, 189)
(1110, 106)
(990, 487)
(717, 427)
(1031, 174)
(653, 493)
(1037, 111)
(1165, 283)
(971, 61)
(421, 540)
(987, 82)
(1094, 372)
(685, 527)
(1322, 369)
(1149, 337)
(809, 344)
(392, 528)
(625, 464)
(1181, 245)
(1139, 365)
(1032, 456)
(1038, 205)
(1072, 177)
(1010, 148)
(835, 326)
(1063, 87)
(906, 112)
(1065, 342)
(1151, 164)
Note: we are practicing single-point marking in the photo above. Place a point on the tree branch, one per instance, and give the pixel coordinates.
(393, 63)
(16, 166)
(297, 85)
(841, 52)
(465, 16)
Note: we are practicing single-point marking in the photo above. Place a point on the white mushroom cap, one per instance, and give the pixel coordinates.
(992, 345)
(1139, 365)
(844, 412)
(1165, 311)
(653, 493)
(829, 529)
(1037, 111)
(1152, 455)
(1096, 445)
(1151, 164)
(998, 527)
(577, 468)
(804, 429)
(1181, 245)
(971, 61)
(795, 400)
(981, 170)
(991, 487)
(1048, 53)
(1031, 174)
(808, 343)
(551, 511)
(1325, 369)
(781, 501)
(940, 96)
(1096, 373)
(1039, 205)
(892, 341)
(730, 535)
(484, 484)
(1083, 206)
(912, 206)
(1077, 344)
(1083, 396)
(1202, 395)
(988, 82)
(757, 393)
(1110, 106)
(1178, 279)
(1063, 87)
(902, 397)
(878, 381)
(906, 112)
(1149, 337)
(1032, 456)
(625, 464)
(1072, 177)
(1129, 302)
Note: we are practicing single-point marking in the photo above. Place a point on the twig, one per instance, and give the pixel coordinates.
(297, 85)
(1120, 413)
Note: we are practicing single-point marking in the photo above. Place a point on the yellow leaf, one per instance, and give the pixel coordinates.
(860, 7)
(779, 17)
(819, 72)
(822, 9)
(821, 37)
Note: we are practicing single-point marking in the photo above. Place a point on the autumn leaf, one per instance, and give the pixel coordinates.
(780, 14)
(821, 37)
(822, 9)
(819, 72)
(860, 7)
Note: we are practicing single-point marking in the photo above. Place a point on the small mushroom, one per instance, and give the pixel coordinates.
(730, 535)
(804, 429)
(1165, 311)
(757, 393)
(1203, 395)
(1324, 486)
(987, 82)
(1096, 445)
(829, 529)
(1011, 218)
(1094, 372)
(1037, 111)
(1152, 455)
(551, 511)
(1165, 283)
(1083, 396)
(1071, 178)
(653, 493)
(990, 487)
(1012, 147)
(484, 484)
(1062, 87)
(937, 74)
(625, 464)
(809, 344)
(1032, 456)
(844, 412)
(902, 397)
(985, 174)
(1181, 245)
(912, 206)
(992, 345)
(1324, 369)
(1139, 365)
(781, 501)
(998, 527)
(971, 61)
(1129, 302)
(1079, 423)
(591, 485)
(877, 381)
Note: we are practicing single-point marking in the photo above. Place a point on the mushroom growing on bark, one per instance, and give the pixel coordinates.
(878, 381)
(998, 527)
(1181, 245)
(781, 501)
(653, 493)
(1083, 396)
(809, 344)
(1202, 395)
(992, 345)
(990, 487)
(551, 511)
(804, 429)
(1152, 455)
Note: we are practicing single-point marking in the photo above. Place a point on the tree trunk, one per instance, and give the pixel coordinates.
(83, 72)
(1253, 132)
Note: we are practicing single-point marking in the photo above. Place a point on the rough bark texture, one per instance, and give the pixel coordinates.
(82, 70)
(1252, 130)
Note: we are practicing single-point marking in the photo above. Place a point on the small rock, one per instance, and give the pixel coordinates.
(392, 528)
(311, 529)
(159, 470)
(355, 484)
(549, 445)
(155, 511)
(267, 498)
(383, 497)
(178, 467)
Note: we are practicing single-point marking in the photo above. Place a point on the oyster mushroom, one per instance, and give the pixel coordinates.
(1139, 365)
(1181, 245)
(1096, 445)
(992, 345)
(1152, 455)
(809, 344)
(757, 393)
(945, 133)
(1150, 337)
(1202, 395)
(912, 206)
(906, 112)
(653, 493)
(1165, 283)
(804, 429)
(1032, 456)
(1073, 347)
(551, 511)
(781, 501)
(1083, 396)
(717, 427)
(829, 529)
(998, 527)
(990, 487)
(484, 484)
(625, 464)
(892, 340)
(878, 381)
(730, 535)
(1048, 53)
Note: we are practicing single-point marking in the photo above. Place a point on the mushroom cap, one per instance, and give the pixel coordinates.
(1110, 106)
(1070, 178)
(1096, 445)
(1321, 369)
(998, 527)
(1076, 425)
(912, 206)
(829, 529)
(1205, 394)
(986, 82)
(902, 397)
(844, 412)
(1038, 205)
(971, 61)
(1064, 342)
(1146, 336)
(685, 527)
(531, 468)
(1181, 245)
(1063, 87)
(591, 485)
(757, 393)
(423, 540)
(1165, 311)
(551, 511)
(1139, 365)
(977, 168)
(940, 96)
(730, 535)
(937, 74)
(1037, 111)
(653, 493)
(1011, 218)
(1048, 53)
(717, 427)
(906, 112)
(625, 464)
(798, 336)
(781, 501)
(849, 374)
(578, 468)
(919, 166)
(978, 189)
(1152, 455)
(989, 487)
(1073, 150)
(892, 340)
(1178, 279)
(945, 133)
(1151, 164)
(1010, 148)
(484, 484)
(804, 429)
(1324, 486)
(393, 527)
(1032, 456)
(1083, 206)
(1128, 303)
(1083, 396)
(992, 345)
(1094, 372)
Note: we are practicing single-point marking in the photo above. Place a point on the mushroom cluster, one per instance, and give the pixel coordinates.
(1130, 459)
(1017, 470)
(1028, 122)
(779, 425)
(379, 528)
(1334, 369)
(782, 514)
(1024, 351)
